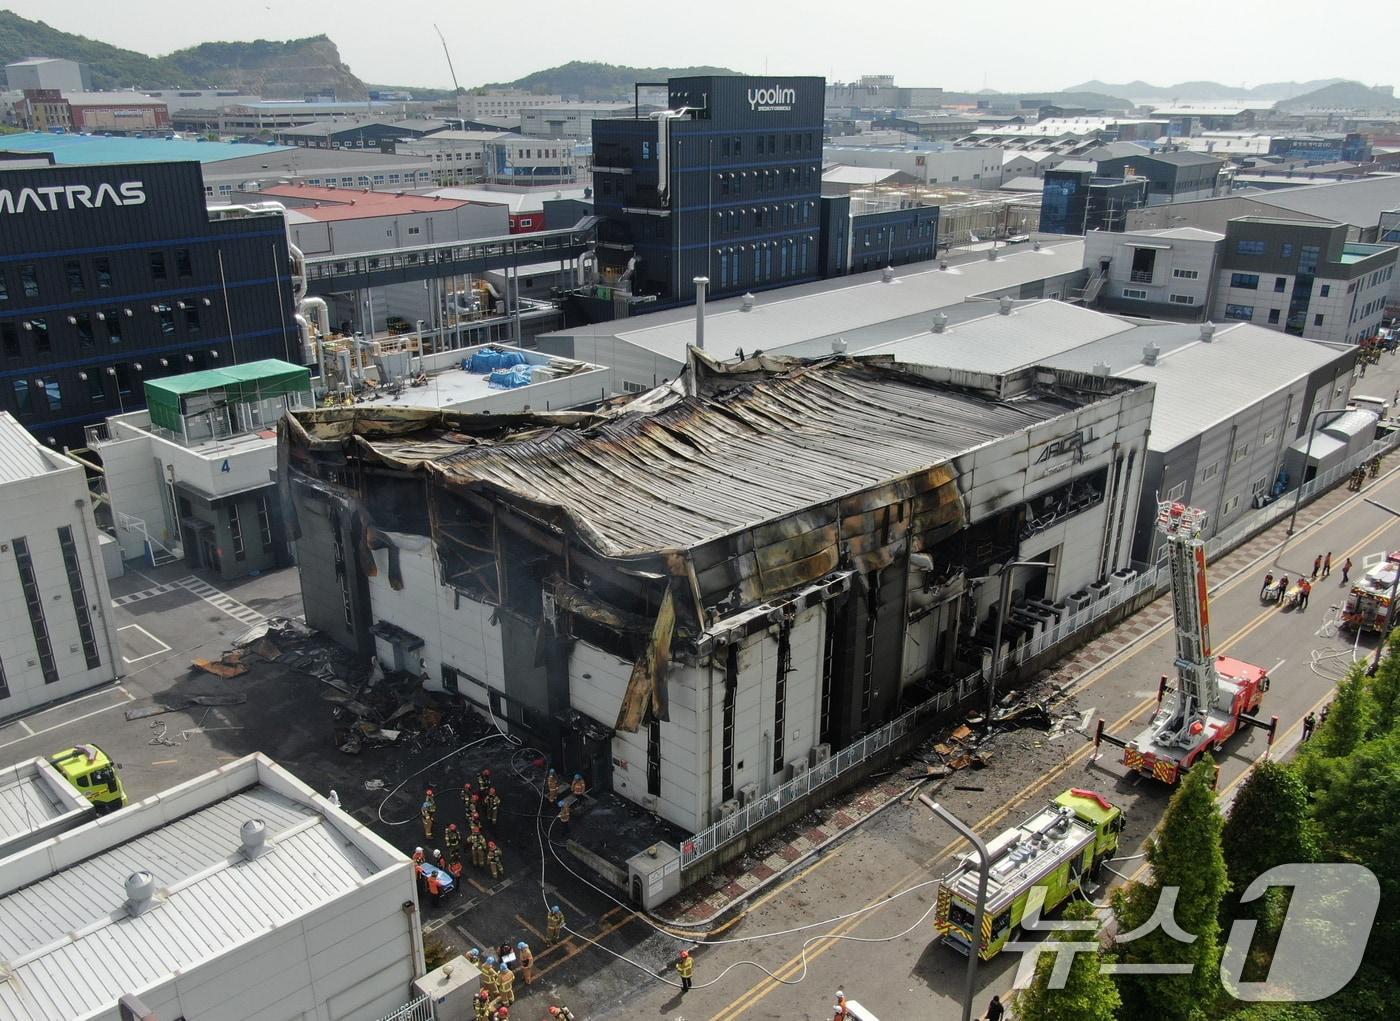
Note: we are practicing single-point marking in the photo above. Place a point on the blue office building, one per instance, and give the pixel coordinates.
(725, 184)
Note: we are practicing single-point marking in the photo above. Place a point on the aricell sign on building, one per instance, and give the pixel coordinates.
(776, 97)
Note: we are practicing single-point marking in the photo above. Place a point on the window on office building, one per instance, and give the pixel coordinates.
(192, 324)
(9, 340)
(1317, 319)
(24, 397)
(73, 273)
(95, 389)
(4, 287)
(1244, 312)
(1135, 293)
(1324, 290)
(113, 322)
(1183, 299)
(39, 331)
(29, 585)
(73, 567)
(156, 260)
(235, 528)
(1186, 274)
(29, 280)
(1250, 247)
(184, 267)
(167, 319)
(103, 267)
(1248, 281)
(1273, 316)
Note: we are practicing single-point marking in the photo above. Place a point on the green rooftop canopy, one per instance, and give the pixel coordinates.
(241, 384)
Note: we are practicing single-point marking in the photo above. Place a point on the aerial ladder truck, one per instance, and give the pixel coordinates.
(1214, 695)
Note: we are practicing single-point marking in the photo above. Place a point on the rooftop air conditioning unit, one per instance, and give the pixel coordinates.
(728, 808)
(820, 753)
(748, 794)
(796, 767)
(1078, 601)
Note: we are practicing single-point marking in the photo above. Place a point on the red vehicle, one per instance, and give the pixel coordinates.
(1214, 695)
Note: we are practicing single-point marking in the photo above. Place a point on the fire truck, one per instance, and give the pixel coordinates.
(1052, 850)
(1214, 695)
(1368, 604)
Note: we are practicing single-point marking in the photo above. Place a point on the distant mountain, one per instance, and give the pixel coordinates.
(583, 79)
(1204, 91)
(278, 70)
(1344, 96)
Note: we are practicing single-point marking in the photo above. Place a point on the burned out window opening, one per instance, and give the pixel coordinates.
(342, 570)
(731, 690)
(1074, 497)
(867, 665)
(654, 759)
(833, 619)
(780, 689)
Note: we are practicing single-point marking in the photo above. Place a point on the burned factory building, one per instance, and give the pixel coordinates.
(691, 593)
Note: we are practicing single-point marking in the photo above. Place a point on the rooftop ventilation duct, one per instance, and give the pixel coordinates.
(1150, 352)
(140, 892)
(1101, 369)
(940, 322)
(1006, 306)
(746, 303)
(887, 274)
(254, 834)
(838, 346)
(1207, 332)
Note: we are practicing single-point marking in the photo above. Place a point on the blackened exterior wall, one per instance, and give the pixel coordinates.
(97, 261)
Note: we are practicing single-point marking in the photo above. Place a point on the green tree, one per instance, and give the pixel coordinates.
(1185, 855)
(1348, 722)
(1086, 995)
(1385, 689)
(1269, 824)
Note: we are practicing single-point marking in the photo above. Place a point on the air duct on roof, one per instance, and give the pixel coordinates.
(746, 303)
(1150, 352)
(140, 892)
(1207, 332)
(1101, 369)
(1006, 306)
(887, 274)
(838, 346)
(254, 834)
(940, 322)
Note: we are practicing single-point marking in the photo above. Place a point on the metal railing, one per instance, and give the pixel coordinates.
(420, 1009)
(1129, 586)
(157, 552)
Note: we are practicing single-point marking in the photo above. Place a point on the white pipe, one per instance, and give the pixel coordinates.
(298, 271)
(308, 349)
(317, 310)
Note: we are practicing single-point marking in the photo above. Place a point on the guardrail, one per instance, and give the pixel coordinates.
(420, 1009)
(765, 806)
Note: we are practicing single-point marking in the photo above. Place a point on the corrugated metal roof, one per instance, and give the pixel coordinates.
(839, 308)
(26, 802)
(233, 902)
(66, 902)
(705, 467)
(21, 457)
(1000, 343)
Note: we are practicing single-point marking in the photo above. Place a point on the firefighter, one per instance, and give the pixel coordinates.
(492, 804)
(685, 967)
(842, 1013)
(481, 1006)
(453, 840)
(483, 780)
(1346, 569)
(578, 787)
(456, 869)
(474, 810)
(564, 818)
(434, 888)
(467, 792)
(556, 922)
(502, 1013)
(418, 856)
(493, 859)
(505, 985)
(562, 1013)
(474, 955)
(527, 962)
(488, 976)
(1327, 564)
(476, 843)
(1309, 725)
(551, 786)
(429, 812)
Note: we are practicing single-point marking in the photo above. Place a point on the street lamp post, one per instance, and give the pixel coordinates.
(1394, 587)
(984, 858)
(1003, 607)
(1307, 453)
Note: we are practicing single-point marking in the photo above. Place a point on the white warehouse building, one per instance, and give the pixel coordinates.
(56, 631)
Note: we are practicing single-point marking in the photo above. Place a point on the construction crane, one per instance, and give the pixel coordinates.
(455, 87)
(1214, 695)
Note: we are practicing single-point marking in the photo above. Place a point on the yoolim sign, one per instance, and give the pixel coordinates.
(52, 198)
(775, 98)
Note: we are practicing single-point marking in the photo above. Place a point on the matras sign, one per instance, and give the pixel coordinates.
(53, 198)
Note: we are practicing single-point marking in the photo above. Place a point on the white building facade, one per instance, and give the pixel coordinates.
(56, 632)
(1159, 273)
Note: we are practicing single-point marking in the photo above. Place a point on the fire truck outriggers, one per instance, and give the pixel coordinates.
(1214, 695)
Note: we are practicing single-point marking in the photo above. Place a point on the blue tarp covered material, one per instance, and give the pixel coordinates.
(509, 379)
(490, 360)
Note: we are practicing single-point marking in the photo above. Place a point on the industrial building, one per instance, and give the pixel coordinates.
(46, 73)
(569, 120)
(723, 185)
(501, 103)
(1171, 176)
(692, 595)
(191, 476)
(1164, 274)
(56, 631)
(239, 894)
(929, 162)
(114, 275)
(265, 116)
(859, 311)
(501, 158)
(358, 133)
(1229, 400)
(1076, 199)
(1304, 278)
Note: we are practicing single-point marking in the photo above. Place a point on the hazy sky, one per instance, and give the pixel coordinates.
(1014, 44)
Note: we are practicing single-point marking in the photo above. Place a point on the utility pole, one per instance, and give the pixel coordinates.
(984, 858)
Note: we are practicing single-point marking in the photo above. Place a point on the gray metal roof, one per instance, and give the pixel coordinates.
(64, 903)
(33, 798)
(21, 456)
(1357, 202)
(822, 311)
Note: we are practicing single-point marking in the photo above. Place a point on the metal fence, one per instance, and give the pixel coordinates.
(750, 815)
(420, 1009)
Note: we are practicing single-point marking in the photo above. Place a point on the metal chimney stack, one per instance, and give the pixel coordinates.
(1007, 304)
(1149, 354)
(1207, 332)
(701, 283)
(940, 322)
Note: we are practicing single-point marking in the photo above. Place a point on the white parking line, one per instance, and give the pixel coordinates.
(129, 697)
(138, 627)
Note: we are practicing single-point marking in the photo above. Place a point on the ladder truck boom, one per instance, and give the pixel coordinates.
(1213, 695)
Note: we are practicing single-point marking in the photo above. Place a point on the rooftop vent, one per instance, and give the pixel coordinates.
(1101, 369)
(887, 274)
(1207, 332)
(254, 833)
(140, 892)
(940, 322)
(838, 346)
(746, 303)
(1150, 352)
(1006, 306)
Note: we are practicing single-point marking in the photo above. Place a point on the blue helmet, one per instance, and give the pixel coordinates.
(491, 962)
(578, 776)
(520, 945)
(555, 909)
(474, 952)
(504, 969)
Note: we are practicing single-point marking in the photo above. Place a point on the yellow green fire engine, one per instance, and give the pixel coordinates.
(89, 769)
(1052, 849)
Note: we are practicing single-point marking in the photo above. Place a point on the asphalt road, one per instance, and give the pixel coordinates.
(888, 959)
